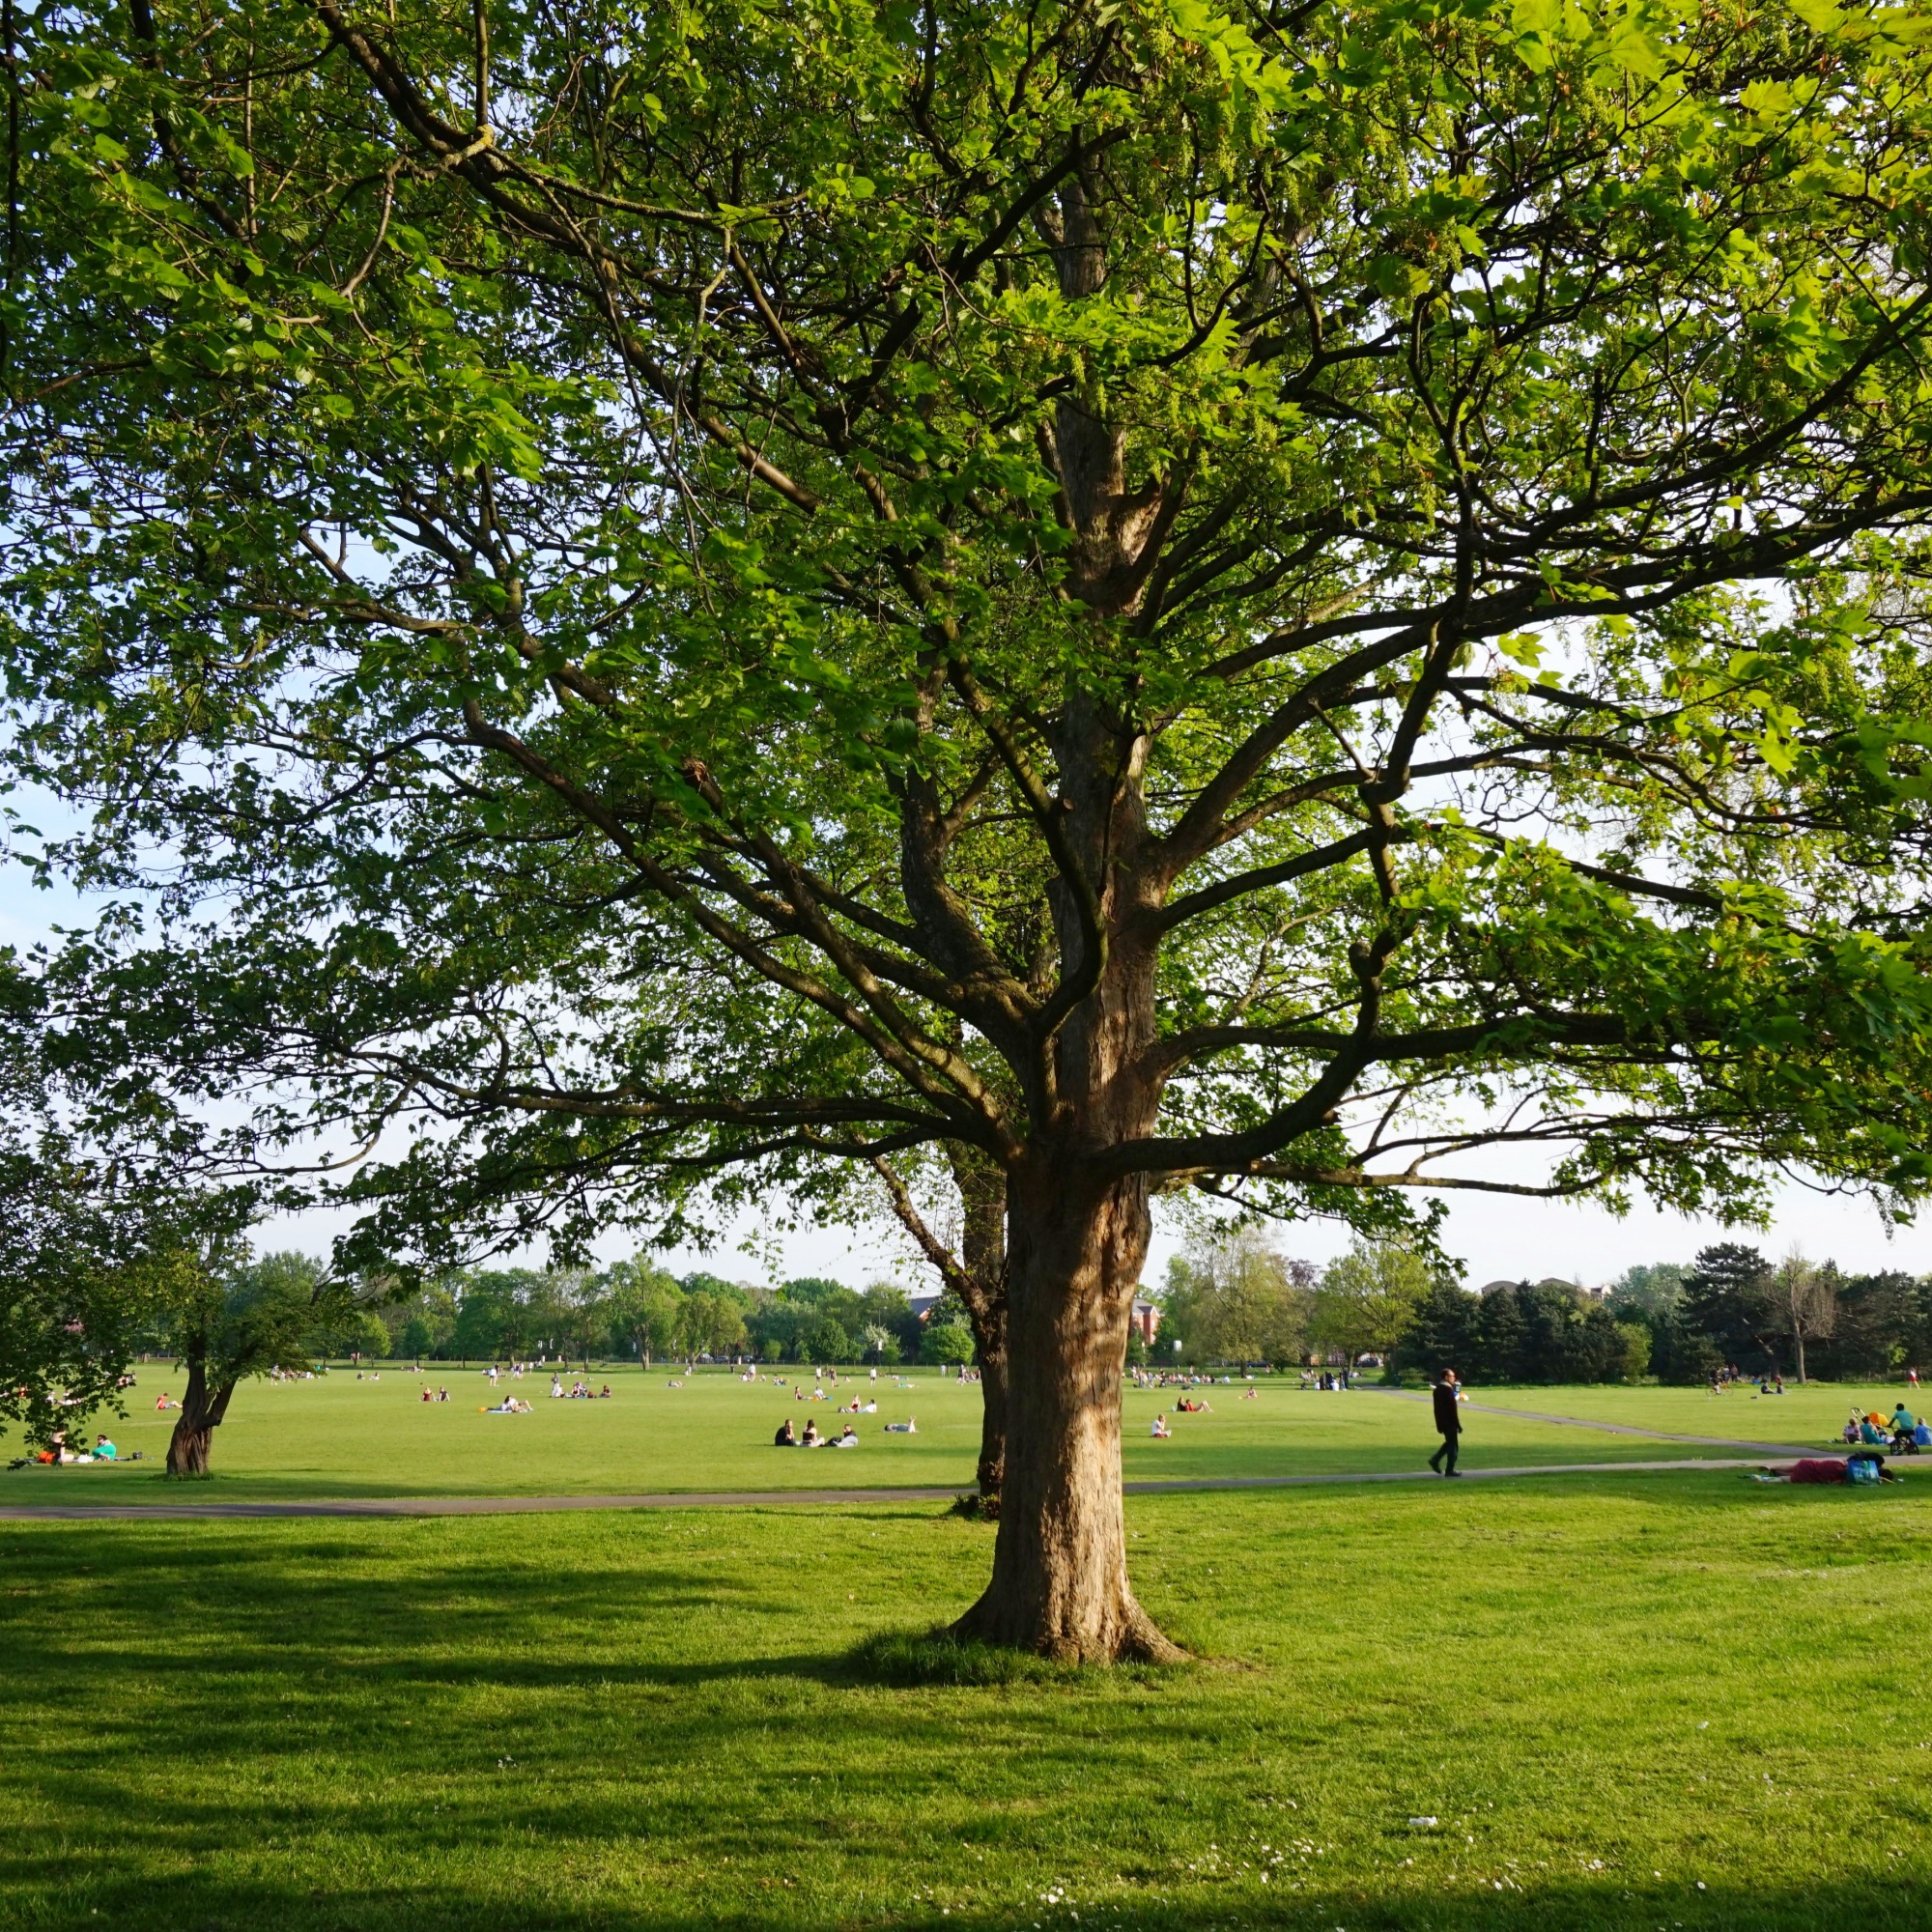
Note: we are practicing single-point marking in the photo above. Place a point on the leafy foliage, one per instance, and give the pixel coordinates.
(1162, 582)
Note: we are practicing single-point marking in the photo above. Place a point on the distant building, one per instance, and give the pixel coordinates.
(1603, 1293)
(1147, 1320)
(923, 1305)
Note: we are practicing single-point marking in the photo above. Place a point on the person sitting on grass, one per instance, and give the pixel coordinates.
(1160, 1432)
(1870, 1432)
(786, 1437)
(429, 1394)
(811, 1439)
(849, 1440)
(164, 1401)
(104, 1451)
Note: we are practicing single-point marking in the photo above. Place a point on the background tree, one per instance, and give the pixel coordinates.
(947, 1344)
(92, 1267)
(1727, 1299)
(1522, 1332)
(1171, 602)
(1369, 1298)
(644, 1305)
(1234, 1298)
(1802, 1302)
(1648, 1289)
(232, 1318)
(1882, 1325)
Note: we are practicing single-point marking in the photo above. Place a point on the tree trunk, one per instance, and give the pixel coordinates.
(1798, 1341)
(201, 1413)
(1059, 1565)
(989, 1337)
(982, 1257)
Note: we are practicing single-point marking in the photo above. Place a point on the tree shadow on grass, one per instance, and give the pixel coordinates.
(191, 1902)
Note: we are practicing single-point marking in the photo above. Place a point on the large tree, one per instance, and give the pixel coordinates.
(1307, 602)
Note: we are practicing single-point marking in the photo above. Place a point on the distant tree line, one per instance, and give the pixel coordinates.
(643, 1312)
(1731, 1308)
(1235, 1298)
(1545, 1331)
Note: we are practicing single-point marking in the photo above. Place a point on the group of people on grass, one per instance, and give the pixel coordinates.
(1901, 1431)
(788, 1438)
(578, 1390)
(59, 1450)
(788, 1435)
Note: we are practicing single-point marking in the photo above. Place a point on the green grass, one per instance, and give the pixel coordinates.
(340, 1437)
(1609, 1691)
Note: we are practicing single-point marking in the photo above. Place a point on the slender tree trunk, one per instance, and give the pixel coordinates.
(983, 1255)
(989, 1339)
(1798, 1341)
(1060, 1567)
(201, 1413)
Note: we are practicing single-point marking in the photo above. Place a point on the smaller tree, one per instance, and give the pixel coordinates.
(1880, 1324)
(1633, 1351)
(1804, 1300)
(1369, 1297)
(90, 1272)
(1728, 1299)
(362, 1335)
(823, 1340)
(1444, 1333)
(238, 1318)
(1234, 1298)
(946, 1344)
(644, 1306)
(1647, 1291)
(714, 1321)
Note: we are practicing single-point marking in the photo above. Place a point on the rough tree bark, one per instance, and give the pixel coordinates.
(977, 1276)
(1059, 1565)
(982, 1254)
(201, 1411)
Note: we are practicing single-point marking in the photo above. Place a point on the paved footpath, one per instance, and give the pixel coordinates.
(349, 1506)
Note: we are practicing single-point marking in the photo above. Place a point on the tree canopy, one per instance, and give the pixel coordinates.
(1290, 603)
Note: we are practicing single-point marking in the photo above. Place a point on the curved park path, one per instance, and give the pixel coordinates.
(773, 1498)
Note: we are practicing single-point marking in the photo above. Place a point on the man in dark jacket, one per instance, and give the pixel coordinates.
(1448, 1424)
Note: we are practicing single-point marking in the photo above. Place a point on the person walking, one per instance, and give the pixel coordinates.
(1448, 1424)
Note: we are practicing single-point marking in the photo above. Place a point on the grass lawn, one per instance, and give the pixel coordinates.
(1815, 1412)
(339, 1438)
(1628, 1701)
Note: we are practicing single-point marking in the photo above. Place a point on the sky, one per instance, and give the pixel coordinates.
(1496, 1236)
